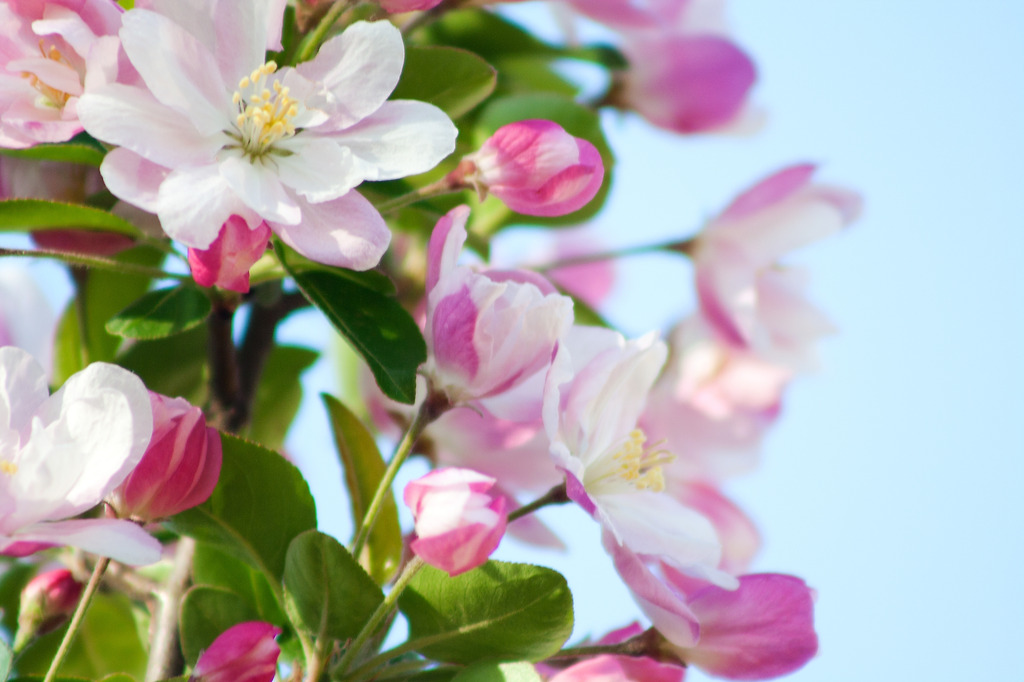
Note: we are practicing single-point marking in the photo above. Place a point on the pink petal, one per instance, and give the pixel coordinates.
(120, 540)
(607, 668)
(446, 244)
(770, 191)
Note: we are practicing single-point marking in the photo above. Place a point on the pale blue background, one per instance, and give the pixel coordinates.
(893, 484)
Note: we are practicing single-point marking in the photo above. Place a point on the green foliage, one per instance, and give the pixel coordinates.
(279, 394)
(213, 568)
(162, 313)
(331, 592)
(21, 215)
(485, 33)
(73, 151)
(206, 612)
(377, 326)
(260, 503)
(364, 468)
(174, 366)
(14, 575)
(499, 611)
(499, 672)
(6, 658)
(451, 79)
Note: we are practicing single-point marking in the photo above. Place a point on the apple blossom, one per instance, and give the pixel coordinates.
(46, 602)
(180, 467)
(51, 50)
(746, 296)
(217, 132)
(535, 167)
(458, 524)
(246, 652)
(486, 332)
(227, 261)
(595, 392)
(60, 455)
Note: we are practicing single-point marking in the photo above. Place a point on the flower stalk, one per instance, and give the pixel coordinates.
(77, 618)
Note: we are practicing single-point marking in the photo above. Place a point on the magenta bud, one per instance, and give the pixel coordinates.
(227, 261)
(245, 652)
(180, 467)
(396, 6)
(47, 600)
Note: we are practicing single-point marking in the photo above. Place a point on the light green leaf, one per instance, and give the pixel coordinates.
(364, 468)
(499, 672)
(22, 215)
(499, 611)
(279, 394)
(451, 79)
(162, 313)
(69, 152)
(330, 590)
(6, 658)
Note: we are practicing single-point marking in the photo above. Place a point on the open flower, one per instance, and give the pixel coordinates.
(60, 455)
(219, 132)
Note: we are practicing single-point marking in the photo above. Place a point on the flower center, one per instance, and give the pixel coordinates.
(265, 114)
(633, 464)
(9, 468)
(51, 96)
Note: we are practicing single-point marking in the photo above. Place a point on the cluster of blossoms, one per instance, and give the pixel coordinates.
(209, 131)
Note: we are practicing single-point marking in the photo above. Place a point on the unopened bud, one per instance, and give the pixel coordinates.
(46, 602)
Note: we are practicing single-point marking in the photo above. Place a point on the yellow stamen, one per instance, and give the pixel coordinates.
(264, 114)
(9, 468)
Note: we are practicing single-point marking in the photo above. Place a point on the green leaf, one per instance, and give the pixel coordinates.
(14, 575)
(364, 468)
(70, 152)
(331, 591)
(260, 503)
(500, 611)
(162, 313)
(485, 33)
(214, 568)
(451, 79)
(206, 612)
(279, 394)
(175, 365)
(499, 672)
(5, 660)
(376, 325)
(21, 215)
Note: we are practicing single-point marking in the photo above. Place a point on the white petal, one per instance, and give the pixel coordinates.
(402, 138)
(194, 203)
(359, 68)
(22, 388)
(259, 187)
(132, 178)
(242, 35)
(347, 232)
(115, 538)
(319, 168)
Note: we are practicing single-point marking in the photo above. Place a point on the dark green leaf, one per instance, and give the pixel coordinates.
(364, 468)
(206, 612)
(499, 611)
(162, 313)
(174, 366)
(14, 575)
(451, 79)
(376, 325)
(499, 672)
(214, 568)
(330, 590)
(70, 152)
(279, 394)
(260, 503)
(21, 215)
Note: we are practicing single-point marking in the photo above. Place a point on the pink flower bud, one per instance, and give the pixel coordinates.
(180, 467)
(245, 652)
(46, 601)
(537, 168)
(395, 6)
(458, 525)
(226, 263)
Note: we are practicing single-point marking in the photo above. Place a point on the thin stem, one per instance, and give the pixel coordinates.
(391, 672)
(382, 612)
(164, 658)
(76, 619)
(677, 246)
(431, 408)
(311, 43)
(647, 643)
(95, 262)
(557, 495)
(435, 189)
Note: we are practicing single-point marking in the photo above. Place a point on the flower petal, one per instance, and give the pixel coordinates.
(347, 232)
(115, 538)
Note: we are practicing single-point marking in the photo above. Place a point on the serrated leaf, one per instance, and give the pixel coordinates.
(499, 672)
(364, 468)
(21, 215)
(279, 394)
(499, 611)
(206, 612)
(260, 503)
(69, 152)
(451, 79)
(162, 313)
(377, 326)
(331, 591)
(214, 568)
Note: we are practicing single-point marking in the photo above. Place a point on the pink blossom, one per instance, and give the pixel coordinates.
(535, 167)
(51, 51)
(60, 455)
(218, 132)
(746, 296)
(395, 6)
(607, 668)
(246, 652)
(180, 467)
(486, 332)
(26, 319)
(458, 524)
(227, 262)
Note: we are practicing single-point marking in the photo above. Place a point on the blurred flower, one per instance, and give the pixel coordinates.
(748, 298)
(47, 600)
(60, 455)
(51, 51)
(606, 668)
(180, 467)
(26, 319)
(537, 168)
(219, 132)
(246, 652)
(486, 332)
(226, 263)
(395, 6)
(458, 524)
